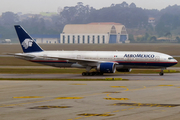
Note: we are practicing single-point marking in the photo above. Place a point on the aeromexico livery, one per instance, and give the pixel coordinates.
(101, 61)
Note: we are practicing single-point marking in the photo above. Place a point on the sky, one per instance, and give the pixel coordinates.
(37, 6)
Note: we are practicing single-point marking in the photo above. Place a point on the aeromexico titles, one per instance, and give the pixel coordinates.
(101, 61)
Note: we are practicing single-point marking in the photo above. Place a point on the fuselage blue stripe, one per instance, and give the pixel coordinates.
(135, 63)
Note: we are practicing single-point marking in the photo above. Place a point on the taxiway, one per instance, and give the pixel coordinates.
(149, 96)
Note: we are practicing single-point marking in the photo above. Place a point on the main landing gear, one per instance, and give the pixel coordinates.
(162, 72)
(91, 73)
(88, 73)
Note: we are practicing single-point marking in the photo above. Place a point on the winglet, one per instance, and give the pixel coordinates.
(28, 44)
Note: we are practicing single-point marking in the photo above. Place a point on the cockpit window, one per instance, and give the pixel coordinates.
(170, 58)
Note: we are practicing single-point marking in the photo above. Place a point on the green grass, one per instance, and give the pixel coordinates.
(40, 71)
(136, 71)
(69, 71)
(41, 79)
(12, 61)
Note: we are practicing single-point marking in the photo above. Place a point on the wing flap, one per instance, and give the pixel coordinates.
(84, 62)
(74, 59)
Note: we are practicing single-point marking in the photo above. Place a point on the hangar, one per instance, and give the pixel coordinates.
(94, 33)
(48, 39)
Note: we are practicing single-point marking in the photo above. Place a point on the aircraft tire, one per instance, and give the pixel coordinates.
(88, 74)
(84, 74)
(101, 73)
(91, 73)
(95, 73)
(161, 74)
(98, 73)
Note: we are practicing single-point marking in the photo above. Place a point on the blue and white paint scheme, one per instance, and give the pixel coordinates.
(101, 61)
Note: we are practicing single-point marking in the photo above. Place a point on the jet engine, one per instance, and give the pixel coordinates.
(107, 67)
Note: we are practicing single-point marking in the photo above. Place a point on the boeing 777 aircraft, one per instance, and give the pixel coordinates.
(101, 61)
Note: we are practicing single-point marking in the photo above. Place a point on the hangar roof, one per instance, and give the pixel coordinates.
(94, 28)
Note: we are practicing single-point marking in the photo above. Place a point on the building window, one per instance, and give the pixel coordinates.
(78, 39)
(63, 39)
(93, 39)
(68, 39)
(73, 39)
(98, 39)
(83, 39)
(88, 39)
(103, 39)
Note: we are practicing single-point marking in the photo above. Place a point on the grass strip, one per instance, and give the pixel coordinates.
(70, 71)
(56, 79)
(40, 71)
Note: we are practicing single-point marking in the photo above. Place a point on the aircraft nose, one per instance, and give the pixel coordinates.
(176, 61)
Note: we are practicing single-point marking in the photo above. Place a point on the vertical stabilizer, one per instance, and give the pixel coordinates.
(28, 44)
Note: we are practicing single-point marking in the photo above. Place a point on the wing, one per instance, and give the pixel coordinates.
(84, 62)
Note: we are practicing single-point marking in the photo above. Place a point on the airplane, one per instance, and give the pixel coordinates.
(101, 61)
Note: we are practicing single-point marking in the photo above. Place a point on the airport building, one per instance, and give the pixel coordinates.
(94, 33)
(47, 39)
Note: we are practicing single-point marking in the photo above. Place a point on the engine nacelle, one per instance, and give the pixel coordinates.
(123, 70)
(107, 67)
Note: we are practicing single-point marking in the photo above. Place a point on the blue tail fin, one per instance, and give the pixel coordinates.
(27, 42)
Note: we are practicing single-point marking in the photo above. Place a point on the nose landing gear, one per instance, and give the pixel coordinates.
(162, 72)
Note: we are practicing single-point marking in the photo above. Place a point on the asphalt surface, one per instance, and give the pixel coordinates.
(142, 97)
(167, 76)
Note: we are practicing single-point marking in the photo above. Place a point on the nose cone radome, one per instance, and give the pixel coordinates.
(175, 61)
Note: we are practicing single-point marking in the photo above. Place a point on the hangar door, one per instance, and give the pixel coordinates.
(123, 38)
(112, 38)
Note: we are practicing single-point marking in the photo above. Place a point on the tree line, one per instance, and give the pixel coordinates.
(167, 21)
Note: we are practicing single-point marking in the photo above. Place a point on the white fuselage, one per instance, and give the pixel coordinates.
(126, 59)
